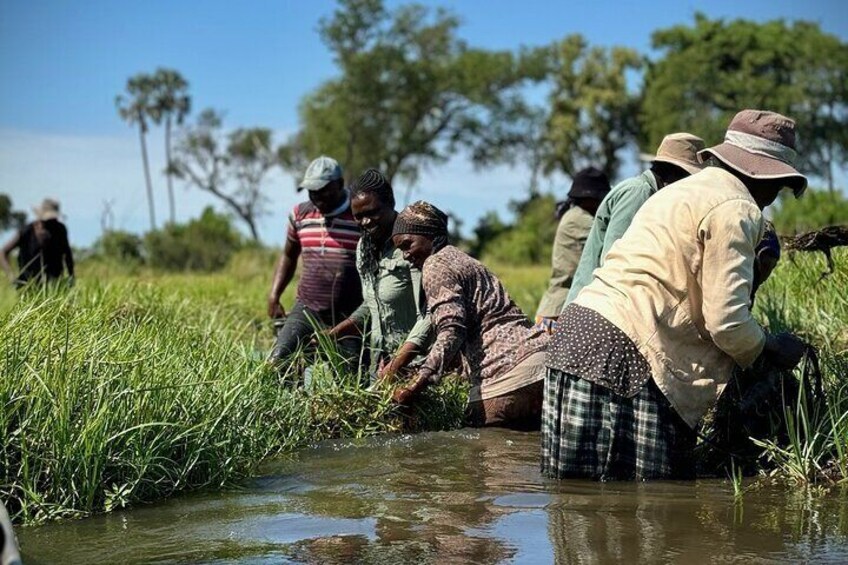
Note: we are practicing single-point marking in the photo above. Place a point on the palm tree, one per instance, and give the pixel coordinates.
(134, 107)
(172, 103)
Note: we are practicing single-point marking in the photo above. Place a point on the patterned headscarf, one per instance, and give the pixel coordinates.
(422, 218)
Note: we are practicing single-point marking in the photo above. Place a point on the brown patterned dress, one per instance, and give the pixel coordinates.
(474, 318)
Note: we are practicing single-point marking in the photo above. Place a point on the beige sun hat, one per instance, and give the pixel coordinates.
(761, 145)
(679, 149)
(47, 210)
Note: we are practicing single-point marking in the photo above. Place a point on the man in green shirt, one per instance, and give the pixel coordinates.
(393, 310)
(676, 159)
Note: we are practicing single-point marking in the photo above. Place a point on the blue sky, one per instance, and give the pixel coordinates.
(62, 63)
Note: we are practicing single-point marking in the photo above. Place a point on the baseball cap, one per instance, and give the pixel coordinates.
(320, 172)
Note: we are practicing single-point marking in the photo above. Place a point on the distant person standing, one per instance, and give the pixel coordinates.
(43, 248)
(323, 233)
(589, 188)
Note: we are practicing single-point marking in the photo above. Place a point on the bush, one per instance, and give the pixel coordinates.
(119, 246)
(203, 244)
(817, 209)
(530, 239)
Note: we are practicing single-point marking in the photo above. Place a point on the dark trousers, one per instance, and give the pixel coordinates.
(299, 328)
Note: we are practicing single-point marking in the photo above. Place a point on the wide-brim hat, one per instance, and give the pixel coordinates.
(47, 210)
(681, 149)
(761, 145)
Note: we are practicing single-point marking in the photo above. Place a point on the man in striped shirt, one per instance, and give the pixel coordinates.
(323, 233)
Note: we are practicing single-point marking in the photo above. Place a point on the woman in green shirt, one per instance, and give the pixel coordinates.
(393, 310)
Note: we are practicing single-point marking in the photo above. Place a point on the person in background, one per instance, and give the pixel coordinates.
(474, 321)
(676, 158)
(323, 233)
(393, 310)
(587, 191)
(638, 357)
(43, 249)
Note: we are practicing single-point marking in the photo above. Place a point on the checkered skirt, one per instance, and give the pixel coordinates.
(589, 431)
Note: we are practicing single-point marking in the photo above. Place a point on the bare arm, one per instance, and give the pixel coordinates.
(7, 253)
(283, 275)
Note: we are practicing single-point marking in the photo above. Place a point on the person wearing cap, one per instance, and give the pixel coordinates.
(43, 248)
(323, 233)
(576, 213)
(475, 323)
(638, 357)
(394, 311)
(676, 158)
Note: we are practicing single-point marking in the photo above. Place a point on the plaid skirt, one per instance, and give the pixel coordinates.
(588, 431)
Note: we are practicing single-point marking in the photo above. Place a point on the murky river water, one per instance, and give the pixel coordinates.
(460, 497)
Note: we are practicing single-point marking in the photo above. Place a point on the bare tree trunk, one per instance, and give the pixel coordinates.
(170, 177)
(251, 224)
(150, 204)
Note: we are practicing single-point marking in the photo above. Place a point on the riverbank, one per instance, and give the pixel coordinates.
(130, 390)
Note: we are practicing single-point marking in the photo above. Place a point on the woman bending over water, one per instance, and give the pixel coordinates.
(474, 320)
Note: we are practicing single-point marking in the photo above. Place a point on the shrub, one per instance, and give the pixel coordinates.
(203, 244)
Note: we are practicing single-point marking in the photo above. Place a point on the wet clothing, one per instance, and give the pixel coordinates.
(474, 317)
(520, 409)
(43, 252)
(571, 234)
(393, 307)
(589, 431)
(612, 219)
(678, 284)
(329, 283)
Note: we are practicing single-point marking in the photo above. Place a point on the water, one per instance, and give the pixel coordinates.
(460, 497)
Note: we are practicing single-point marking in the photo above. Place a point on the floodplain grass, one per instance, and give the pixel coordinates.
(134, 386)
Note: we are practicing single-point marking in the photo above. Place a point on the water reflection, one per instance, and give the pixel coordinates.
(459, 497)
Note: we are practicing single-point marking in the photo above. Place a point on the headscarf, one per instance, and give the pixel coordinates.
(422, 218)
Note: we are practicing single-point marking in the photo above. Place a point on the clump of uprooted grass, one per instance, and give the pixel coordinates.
(118, 394)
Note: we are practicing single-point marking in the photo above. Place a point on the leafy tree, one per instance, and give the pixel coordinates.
(120, 246)
(170, 103)
(592, 110)
(528, 241)
(231, 167)
(203, 244)
(709, 71)
(10, 219)
(410, 91)
(133, 107)
(817, 209)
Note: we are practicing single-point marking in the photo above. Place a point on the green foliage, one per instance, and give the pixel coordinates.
(593, 112)
(410, 91)
(203, 244)
(10, 219)
(529, 240)
(815, 210)
(709, 71)
(120, 246)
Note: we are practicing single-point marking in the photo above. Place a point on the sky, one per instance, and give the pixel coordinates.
(62, 63)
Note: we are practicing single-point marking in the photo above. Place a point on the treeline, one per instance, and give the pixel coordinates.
(411, 93)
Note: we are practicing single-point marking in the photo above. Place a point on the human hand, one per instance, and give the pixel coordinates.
(784, 350)
(403, 396)
(275, 310)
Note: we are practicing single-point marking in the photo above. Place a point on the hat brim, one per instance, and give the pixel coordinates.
(45, 215)
(757, 166)
(685, 165)
(313, 184)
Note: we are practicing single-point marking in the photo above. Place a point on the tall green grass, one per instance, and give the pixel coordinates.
(120, 393)
(130, 390)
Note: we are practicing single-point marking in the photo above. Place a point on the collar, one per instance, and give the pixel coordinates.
(342, 208)
(652, 180)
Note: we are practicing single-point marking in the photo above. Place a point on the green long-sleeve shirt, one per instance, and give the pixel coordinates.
(612, 219)
(393, 303)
